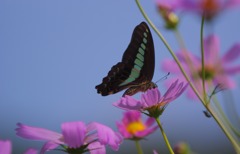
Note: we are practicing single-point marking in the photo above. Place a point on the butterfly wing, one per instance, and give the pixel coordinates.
(137, 66)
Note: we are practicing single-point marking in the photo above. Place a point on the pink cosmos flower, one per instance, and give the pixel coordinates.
(210, 8)
(217, 69)
(151, 100)
(133, 127)
(171, 5)
(166, 9)
(76, 137)
(5, 147)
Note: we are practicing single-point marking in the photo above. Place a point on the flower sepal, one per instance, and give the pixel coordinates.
(155, 111)
(81, 149)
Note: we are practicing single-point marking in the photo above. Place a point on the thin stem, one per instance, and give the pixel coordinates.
(179, 39)
(164, 136)
(181, 43)
(203, 60)
(170, 50)
(138, 146)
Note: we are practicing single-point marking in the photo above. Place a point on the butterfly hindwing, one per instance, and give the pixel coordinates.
(137, 66)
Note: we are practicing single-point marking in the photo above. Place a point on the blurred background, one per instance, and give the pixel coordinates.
(54, 52)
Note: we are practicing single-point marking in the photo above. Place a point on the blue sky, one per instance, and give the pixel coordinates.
(54, 53)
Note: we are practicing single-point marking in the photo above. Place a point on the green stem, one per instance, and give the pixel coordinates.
(184, 50)
(164, 136)
(179, 39)
(203, 60)
(170, 50)
(139, 149)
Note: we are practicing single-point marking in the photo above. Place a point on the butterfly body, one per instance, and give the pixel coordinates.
(136, 69)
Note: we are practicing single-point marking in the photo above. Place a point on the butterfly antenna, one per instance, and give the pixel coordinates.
(163, 78)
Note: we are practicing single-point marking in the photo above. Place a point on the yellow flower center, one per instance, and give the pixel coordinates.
(135, 127)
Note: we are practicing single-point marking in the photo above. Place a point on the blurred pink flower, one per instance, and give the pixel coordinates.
(133, 127)
(217, 69)
(5, 147)
(171, 5)
(151, 100)
(166, 9)
(210, 8)
(76, 137)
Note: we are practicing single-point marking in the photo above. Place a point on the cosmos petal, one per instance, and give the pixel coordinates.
(5, 147)
(105, 135)
(35, 133)
(232, 54)
(74, 133)
(129, 103)
(48, 146)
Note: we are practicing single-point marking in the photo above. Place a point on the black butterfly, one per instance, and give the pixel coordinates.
(136, 70)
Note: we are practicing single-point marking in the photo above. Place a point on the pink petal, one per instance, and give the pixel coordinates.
(149, 128)
(190, 5)
(192, 95)
(74, 133)
(106, 135)
(168, 4)
(48, 146)
(181, 88)
(170, 66)
(122, 129)
(211, 49)
(225, 81)
(155, 152)
(151, 97)
(5, 147)
(96, 148)
(31, 151)
(232, 54)
(35, 133)
(174, 91)
(128, 118)
(170, 89)
(146, 132)
(232, 3)
(198, 85)
(187, 58)
(232, 70)
(131, 116)
(150, 121)
(128, 103)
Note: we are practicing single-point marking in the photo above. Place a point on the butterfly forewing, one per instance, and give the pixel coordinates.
(137, 66)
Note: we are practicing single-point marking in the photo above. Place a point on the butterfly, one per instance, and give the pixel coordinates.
(136, 69)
